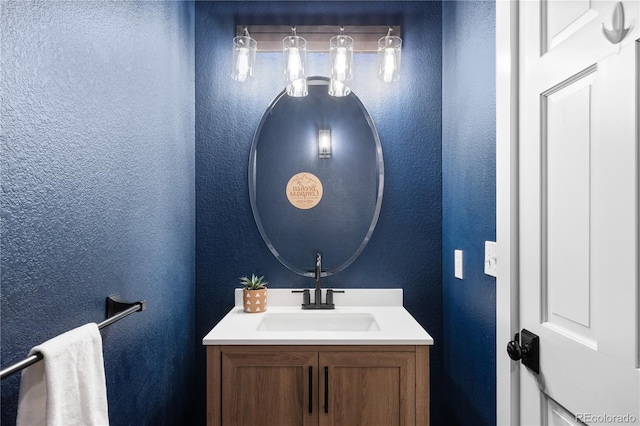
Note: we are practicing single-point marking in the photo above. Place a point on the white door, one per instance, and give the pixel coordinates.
(578, 211)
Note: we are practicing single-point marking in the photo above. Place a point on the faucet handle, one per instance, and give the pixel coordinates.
(329, 296)
(306, 295)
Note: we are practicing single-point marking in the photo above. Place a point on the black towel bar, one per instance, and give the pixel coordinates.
(116, 310)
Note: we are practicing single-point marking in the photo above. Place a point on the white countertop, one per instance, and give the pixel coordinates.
(396, 325)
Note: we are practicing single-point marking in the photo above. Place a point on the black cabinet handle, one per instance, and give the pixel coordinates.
(310, 390)
(326, 390)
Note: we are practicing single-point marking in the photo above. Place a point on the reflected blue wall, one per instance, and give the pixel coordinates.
(468, 209)
(405, 249)
(339, 225)
(98, 193)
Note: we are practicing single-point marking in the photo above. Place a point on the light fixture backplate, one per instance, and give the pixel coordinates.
(269, 37)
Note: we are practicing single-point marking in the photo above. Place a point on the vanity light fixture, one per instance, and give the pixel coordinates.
(389, 55)
(324, 143)
(341, 52)
(295, 42)
(244, 56)
(294, 53)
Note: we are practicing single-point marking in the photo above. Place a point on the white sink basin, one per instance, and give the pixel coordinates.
(318, 321)
(361, 317)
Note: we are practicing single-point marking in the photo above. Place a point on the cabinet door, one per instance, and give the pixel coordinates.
(269, 388)
(367, 388)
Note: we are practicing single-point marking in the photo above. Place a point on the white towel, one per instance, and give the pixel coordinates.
(66, 388)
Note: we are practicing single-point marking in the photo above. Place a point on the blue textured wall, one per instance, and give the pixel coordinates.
(405, 249)
(98, 192)
(98, 185)
(468, 209)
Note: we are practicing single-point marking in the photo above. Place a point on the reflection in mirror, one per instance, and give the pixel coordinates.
(316, 176)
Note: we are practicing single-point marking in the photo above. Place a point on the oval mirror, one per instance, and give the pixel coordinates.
(306, 198)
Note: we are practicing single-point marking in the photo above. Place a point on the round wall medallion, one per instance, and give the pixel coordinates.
(304, 190)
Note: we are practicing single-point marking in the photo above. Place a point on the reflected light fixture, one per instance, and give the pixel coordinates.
(244, 57)
(294, 53)
(341, 52)
(389, 55)
(324, 143)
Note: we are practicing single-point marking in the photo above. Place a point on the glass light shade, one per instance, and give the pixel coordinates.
(389, 55)
(341, 51)
(294, 53)
(244, 58)
(297, 88)
(338, 88)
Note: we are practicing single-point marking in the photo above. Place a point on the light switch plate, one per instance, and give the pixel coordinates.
(457, 255)
(491, 258)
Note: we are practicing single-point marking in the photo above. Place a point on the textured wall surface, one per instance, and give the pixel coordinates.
(468, 209)
(405, 249)
(98, 192)
(98, 182)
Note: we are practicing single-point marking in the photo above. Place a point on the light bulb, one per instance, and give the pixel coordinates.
(389, 66)
(341, 64)
(242, 65)
(294, 64)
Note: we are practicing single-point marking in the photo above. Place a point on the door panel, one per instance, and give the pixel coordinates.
(580, 44)
(364, 384)
(563, 19)
(615, 208)
(267, 389)
(582, 379)
(557, 415)
(370, 389)
(579, 211)
(566, 204)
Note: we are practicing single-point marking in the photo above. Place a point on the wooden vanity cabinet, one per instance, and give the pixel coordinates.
(317, 385)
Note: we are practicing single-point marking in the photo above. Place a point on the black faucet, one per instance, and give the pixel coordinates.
(317, 303)
(318, 273)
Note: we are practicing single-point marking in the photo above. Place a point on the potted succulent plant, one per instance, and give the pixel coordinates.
(254, 294)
